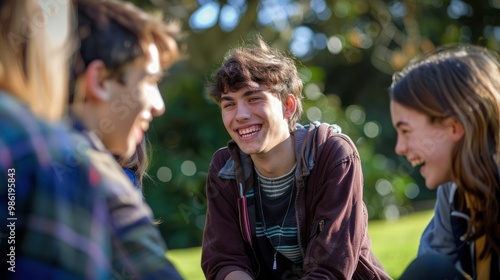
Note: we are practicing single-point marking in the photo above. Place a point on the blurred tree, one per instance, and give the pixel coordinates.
(347, 51)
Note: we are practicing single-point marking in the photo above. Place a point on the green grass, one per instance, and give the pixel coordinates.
(187, 262)
(394, 243)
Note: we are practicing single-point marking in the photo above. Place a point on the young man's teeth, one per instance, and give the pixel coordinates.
(248, 130)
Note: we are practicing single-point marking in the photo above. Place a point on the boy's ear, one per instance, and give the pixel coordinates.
(95, 78)
(290, 106)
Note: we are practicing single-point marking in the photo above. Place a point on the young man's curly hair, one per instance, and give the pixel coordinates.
(259, 64)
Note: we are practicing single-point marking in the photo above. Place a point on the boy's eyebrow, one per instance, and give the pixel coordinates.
(227, 97)
(252, 91)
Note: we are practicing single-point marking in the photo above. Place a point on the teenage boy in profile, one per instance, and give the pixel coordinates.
(123, 52)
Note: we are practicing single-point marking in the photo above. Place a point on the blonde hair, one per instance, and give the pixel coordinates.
(33, 67)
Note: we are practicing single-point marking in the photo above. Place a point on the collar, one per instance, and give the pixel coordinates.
(76, 124)
(305, 151)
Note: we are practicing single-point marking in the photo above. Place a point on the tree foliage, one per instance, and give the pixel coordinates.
(346, 50)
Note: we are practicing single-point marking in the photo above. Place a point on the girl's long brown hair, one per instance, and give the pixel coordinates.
(463, 82)
(138, 162)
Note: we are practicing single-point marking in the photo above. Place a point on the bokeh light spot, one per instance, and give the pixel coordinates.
(164, 174)
(188, 168)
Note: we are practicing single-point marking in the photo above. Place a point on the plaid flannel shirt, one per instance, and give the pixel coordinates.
(53, 213)
(139, 251)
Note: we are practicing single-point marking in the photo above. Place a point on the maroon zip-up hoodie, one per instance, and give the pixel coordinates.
(331, 216)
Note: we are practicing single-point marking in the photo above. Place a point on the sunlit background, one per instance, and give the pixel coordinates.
(346, 52)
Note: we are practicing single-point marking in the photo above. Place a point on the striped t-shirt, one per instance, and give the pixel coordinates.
(275, 214)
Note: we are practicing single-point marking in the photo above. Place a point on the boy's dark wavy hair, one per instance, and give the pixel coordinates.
(263, 65)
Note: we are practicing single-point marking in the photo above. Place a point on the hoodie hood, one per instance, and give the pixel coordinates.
(307, 137)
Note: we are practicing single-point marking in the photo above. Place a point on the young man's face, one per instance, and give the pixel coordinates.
(132, 104)
(256, 119)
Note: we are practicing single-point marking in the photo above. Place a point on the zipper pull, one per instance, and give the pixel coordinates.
(274, 263)
(321, 225)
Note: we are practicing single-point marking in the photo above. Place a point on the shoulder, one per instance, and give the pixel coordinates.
(47, 155)
(111, 172)
(220, 157)
(323, 142)
(24, 137)
(342, 142)
(333, 143)
(48, 169)
(319, 133)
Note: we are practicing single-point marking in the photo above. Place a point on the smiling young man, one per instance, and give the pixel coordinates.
(123, 51)
(285, 201)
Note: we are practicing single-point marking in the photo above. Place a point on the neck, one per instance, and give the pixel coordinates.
(278, 161)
